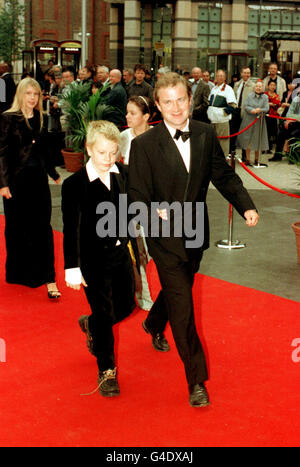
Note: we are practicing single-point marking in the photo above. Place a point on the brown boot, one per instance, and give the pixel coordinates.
(108, 383)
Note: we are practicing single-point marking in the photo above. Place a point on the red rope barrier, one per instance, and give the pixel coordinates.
(281, 118)
(221, 137)
(266, 183)
(239, 132)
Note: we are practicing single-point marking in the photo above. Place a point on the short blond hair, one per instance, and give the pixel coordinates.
(104, 128)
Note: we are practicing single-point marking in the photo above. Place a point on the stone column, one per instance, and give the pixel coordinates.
(239, 28)
(113, 36)
(185, 44)
(148, 36)
(234, 36)
(132, 32)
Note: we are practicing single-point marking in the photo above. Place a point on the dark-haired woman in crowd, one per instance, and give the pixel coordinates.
(272, 123)
(24, 167)
(139, 112)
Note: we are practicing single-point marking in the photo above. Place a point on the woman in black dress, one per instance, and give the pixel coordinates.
(24, 165)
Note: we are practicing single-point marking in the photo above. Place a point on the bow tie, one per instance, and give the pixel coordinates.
(184, 135)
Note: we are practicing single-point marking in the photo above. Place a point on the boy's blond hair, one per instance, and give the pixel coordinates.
(104, 128)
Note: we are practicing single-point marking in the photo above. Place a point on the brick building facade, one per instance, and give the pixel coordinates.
(186, 32)
(192, 32)
(61, 20)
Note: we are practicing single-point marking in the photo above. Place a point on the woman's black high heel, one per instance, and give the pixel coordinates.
(53, 294)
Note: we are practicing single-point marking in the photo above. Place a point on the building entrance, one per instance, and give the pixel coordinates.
(160, 34)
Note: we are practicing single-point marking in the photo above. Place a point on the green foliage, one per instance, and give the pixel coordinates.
(79, 108)
(12, 31)
(294, 152)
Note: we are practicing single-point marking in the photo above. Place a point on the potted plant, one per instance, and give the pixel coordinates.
(294, 158)
(79, 107)
(70, 100)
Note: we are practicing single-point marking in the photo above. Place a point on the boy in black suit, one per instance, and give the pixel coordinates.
(100, 262)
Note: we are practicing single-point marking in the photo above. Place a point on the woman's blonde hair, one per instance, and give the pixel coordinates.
(19, 97)
(104, 128)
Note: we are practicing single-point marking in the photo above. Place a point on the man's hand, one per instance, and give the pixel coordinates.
(5, 192)
(286, 123)
(77, 286)
(251, 217)
(58, 181)
(163, 214)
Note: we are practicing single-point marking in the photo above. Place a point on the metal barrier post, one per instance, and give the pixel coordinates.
(258, 165)
(230, 244)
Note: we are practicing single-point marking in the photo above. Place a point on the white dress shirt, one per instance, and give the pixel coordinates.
(183, 147)
(73, 275)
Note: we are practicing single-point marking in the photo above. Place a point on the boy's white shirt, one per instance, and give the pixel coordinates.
(73, 275)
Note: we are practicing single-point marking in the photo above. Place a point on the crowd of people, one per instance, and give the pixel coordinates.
(172, 161)
(229, 108)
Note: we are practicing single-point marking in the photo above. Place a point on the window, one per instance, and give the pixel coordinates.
(209, 27)
(267, 18)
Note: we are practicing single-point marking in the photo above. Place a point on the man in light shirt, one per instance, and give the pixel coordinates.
(222, 102)
(274, 76)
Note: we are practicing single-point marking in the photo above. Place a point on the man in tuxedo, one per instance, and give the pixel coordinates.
(9, 87)
(168, 166)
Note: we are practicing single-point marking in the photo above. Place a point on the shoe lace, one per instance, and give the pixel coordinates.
(107, 374)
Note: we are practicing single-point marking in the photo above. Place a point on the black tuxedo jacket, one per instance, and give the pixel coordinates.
(82, 246)
(157, 173)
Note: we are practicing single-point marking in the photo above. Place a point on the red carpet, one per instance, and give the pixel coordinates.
(254, 382)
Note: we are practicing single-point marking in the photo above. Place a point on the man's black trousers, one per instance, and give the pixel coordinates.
(175, 304)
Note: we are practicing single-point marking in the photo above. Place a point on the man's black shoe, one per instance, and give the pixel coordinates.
(159, 341)
(198, 396)
(275, 158)
(108, 384)
(84, 326)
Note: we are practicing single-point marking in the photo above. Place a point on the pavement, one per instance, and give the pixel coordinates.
(269, 261)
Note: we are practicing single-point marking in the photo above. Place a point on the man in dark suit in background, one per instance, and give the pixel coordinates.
(200, 102)
(167, 166)
(117, 98)
(9, 85)
(242, 89)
